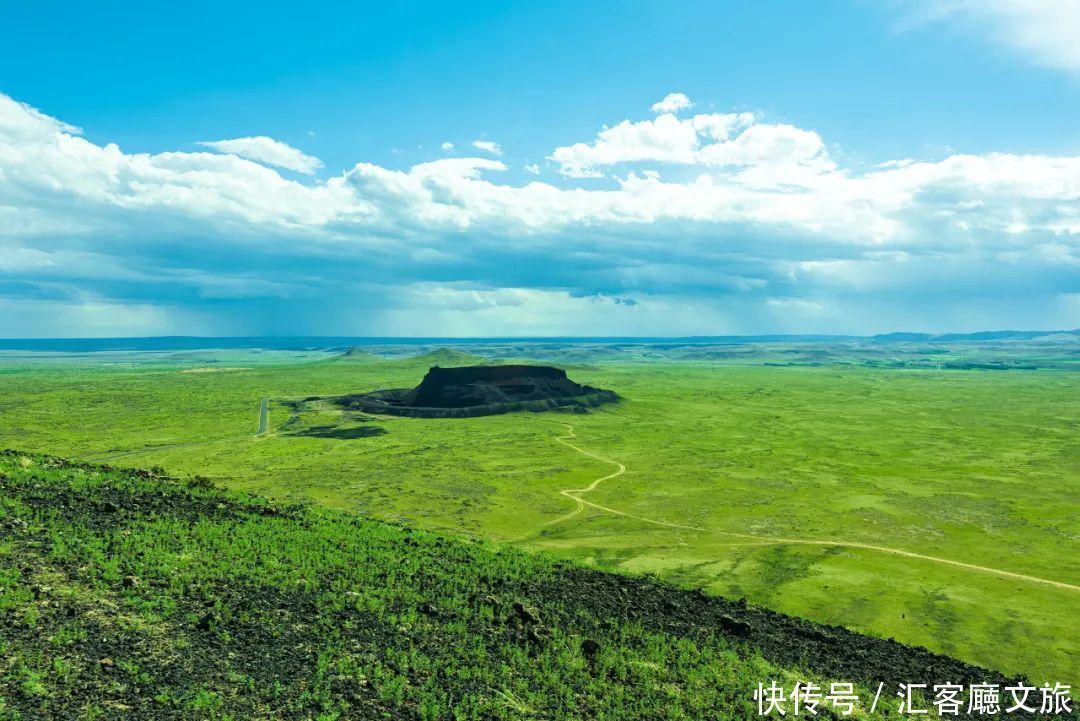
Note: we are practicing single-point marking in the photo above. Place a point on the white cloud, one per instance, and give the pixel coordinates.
(1044, 30)
(488, 147)
(447, 146)
(532, 168)
(267, 151)
(672, 103)
(708, 140)
(741, 171)
(21, 123)
(743, 221)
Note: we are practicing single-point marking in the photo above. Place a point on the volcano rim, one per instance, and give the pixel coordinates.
(502, 379)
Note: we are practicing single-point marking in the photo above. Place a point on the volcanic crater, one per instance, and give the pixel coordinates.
(482, 390)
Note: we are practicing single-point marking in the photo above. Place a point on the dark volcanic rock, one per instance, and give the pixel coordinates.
(483, 385)
(735, 628)
(590, 648)
(482, 390)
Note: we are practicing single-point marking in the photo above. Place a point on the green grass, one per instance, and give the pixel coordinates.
(980, 467)
(134, 596)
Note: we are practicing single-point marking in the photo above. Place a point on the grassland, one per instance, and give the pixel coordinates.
(832, 453)
(130, 595)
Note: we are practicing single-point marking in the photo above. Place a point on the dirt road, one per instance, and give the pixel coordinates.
(757, 540)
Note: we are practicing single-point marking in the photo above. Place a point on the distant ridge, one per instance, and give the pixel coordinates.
(300, 343)
(355, 353)
(449, 357)
(986, 335)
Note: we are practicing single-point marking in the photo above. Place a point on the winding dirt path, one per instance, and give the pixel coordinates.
(573, 493)
(757, 540)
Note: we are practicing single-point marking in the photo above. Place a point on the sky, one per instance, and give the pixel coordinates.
(529, 169)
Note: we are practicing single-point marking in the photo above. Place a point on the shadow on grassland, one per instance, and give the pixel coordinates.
(345, 434)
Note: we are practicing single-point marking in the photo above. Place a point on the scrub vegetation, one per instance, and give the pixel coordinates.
(128, 594)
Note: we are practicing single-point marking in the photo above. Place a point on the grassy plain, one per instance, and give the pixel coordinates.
(136, 597)
(979, 467)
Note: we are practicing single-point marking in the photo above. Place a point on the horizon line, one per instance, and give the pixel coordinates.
(542, 338)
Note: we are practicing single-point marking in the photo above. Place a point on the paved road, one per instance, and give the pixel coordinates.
(263, 413)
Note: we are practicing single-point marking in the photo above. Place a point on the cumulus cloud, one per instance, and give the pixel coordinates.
(488, 147)
(708, 140)
(736, 224)
(267, 151)
(672, 103)
(447, 146)
(1044, 30)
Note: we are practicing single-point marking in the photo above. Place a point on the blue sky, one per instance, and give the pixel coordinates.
(527, 168)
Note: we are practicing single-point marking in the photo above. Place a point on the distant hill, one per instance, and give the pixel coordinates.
(356, 353)
(448, 357)
(975, 337)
